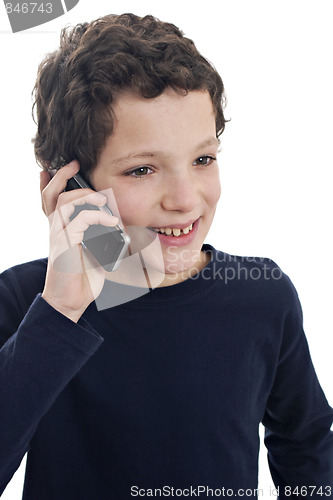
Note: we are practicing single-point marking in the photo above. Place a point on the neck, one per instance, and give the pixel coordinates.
(134, 274)
(173, 279)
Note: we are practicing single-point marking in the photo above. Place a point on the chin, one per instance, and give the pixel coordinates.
(178, 260)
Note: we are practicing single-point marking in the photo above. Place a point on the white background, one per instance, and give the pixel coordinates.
(275, 59)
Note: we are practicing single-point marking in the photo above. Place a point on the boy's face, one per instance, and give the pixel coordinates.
(160, 163)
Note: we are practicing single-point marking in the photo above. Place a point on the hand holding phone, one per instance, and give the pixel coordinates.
(72, 281)
(107, 244)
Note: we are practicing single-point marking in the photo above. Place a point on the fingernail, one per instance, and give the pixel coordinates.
(100, 198)
(72, 163)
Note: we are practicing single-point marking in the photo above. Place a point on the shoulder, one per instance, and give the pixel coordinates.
(19, 285)
(259, 281)
(29, 276)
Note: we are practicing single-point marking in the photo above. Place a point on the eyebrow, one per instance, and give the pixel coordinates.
(208, 142)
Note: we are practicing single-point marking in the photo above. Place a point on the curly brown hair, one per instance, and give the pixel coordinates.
(77, 84)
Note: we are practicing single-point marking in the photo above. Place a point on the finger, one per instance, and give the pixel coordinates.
(63, 212)
(53, 188)
(75, 229)
(69, 199)
(65, 244)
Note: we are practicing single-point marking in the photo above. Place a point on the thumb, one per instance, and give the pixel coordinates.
(44, 180)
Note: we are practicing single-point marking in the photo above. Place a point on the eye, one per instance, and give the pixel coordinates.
(139, 172)
(204, 160)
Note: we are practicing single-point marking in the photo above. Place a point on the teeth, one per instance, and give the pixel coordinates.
(174, 231)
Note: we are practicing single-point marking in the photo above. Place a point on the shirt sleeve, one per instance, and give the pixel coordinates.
(36, 363)
(298, 418)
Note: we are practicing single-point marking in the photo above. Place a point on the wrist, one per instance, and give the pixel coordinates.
(73, 315)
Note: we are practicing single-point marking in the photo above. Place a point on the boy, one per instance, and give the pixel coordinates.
(161, 395)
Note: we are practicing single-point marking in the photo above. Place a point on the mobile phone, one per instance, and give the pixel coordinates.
(107, 244)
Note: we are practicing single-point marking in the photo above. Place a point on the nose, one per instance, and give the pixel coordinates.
(181, 192)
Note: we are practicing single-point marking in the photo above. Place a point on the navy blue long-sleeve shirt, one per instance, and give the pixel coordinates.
(166, 391)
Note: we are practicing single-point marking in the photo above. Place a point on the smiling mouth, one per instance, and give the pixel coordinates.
(173, 231)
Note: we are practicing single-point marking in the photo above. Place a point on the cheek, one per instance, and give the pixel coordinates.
(213, 192)
(131, 206)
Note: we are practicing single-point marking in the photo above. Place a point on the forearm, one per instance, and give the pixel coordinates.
(36, 364)
(298, 419)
